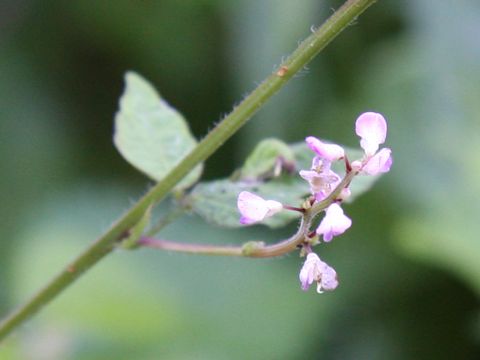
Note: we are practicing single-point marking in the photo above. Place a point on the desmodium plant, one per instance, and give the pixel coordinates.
(271, 180)
(155, 138)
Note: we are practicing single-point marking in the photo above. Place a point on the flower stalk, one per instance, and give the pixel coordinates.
(257, 249)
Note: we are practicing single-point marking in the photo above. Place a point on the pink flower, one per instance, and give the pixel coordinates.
(329, 152)
(315, 269)
(372, 128)
(334, 223)
(321, 178)
(321, 183)
(378, 163)
(254, 208)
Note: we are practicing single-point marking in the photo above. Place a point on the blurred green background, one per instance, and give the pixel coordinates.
(410, 266)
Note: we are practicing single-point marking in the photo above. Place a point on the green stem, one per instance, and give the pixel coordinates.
(222, 132)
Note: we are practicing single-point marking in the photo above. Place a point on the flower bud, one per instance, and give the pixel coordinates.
(253, 208)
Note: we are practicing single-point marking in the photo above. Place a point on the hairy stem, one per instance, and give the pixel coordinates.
(222, 132)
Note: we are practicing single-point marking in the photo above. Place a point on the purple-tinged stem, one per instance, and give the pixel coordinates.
(293, 208)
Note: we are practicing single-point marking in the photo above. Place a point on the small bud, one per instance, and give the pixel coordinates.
(253, 208)
(357, 165)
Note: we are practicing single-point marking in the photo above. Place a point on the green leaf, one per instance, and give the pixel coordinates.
(216, 201)
(150, 134)
(269, 156)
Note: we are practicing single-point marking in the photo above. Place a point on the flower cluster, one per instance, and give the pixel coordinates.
(323, 181)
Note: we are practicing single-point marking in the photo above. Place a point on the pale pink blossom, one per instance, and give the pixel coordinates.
(321, 183)
(316, 270)
(372, 129)
(329, 152)
(334, 223)
(253, 208)
(378, 163)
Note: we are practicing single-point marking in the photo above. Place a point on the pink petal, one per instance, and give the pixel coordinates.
(329, 280)
(379, 163)
(308, 175)
(310, 271)
(252, 207)
(329, 152)
(334, 223)
(273, 207)
(372, 128)
(246, 221)
(314, 269)
(320, 182)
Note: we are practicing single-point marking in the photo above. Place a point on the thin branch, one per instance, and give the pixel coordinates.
(256, 249)
(198, 249)
(294, 208)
